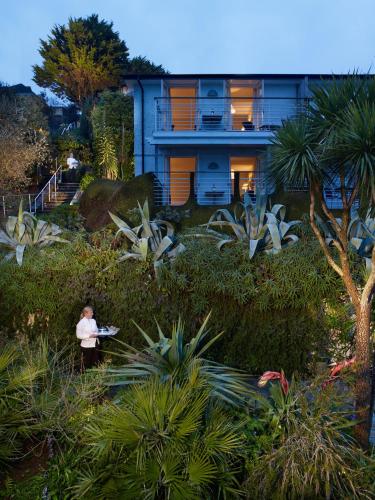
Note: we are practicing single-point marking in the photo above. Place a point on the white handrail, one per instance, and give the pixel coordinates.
(52, 183)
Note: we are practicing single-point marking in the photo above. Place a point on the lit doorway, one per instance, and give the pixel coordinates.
(182, 107)
(243, 173)
(181, 179)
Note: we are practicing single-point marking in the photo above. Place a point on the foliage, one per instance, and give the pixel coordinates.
(26, 231)
(81, 59)
(113, 115)
(360, 234)
(73, 142)
(272, 308)
(141, 66)
(261, 230)
(16, 380)
(172, 214)
(67, 217)
(312, 455)
(86, 180)
(23, 139)
(334, 141)
(151, 237)
(103, 196)
(161, 440)
(173, 359)
(106, 153)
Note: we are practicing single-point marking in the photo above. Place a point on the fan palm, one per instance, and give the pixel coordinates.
(151, 237)
(16, 382)
(26, 231)
(336, 139)
(174, 359)
(260, 229)
(161, 441)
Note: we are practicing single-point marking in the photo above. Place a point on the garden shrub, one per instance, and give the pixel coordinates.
(104, 195)
(86, 180)
(270, 308)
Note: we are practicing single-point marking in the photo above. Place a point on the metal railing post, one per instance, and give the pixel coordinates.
(42, 200)
(49, 191)
(30, 203)
(4, 209)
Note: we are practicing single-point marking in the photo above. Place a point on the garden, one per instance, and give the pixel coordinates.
(242, 367)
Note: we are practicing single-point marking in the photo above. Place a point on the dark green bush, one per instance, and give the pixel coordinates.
(117, 196)
(271, 308)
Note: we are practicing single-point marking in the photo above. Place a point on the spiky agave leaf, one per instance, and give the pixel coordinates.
(153, 238)
(172, 358)
(26, 230)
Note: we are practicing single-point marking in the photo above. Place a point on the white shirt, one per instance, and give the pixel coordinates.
(84, 329)
(72, 162)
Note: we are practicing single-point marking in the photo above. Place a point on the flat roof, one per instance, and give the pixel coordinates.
(234, 76)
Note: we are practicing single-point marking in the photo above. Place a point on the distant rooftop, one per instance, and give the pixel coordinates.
(19, 89)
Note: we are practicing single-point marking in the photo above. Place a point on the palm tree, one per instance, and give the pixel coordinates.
(175, 359)
(335, 138)
(161, 440)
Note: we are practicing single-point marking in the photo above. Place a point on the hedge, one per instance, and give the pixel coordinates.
(270, 309)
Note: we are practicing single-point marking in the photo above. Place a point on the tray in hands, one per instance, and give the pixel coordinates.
(107, 331)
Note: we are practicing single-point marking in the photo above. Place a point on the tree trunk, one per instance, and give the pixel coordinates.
(363, 379)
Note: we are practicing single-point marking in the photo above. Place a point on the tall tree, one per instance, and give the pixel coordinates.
(23, 138)
(335, 140)
(82, 58)
(142, 65)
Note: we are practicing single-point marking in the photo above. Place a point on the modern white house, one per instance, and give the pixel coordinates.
(208, 136)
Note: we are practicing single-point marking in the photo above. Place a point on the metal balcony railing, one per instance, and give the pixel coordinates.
(205, 187)
(224, 114)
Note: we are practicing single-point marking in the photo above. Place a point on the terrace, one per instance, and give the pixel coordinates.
(224, 114)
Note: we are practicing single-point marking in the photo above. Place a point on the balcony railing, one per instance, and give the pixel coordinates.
(224, 114)
(204, 186)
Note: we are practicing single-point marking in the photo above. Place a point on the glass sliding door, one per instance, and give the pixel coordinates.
(243, 173)
(181, 179)
(183, 108)
(241, 106)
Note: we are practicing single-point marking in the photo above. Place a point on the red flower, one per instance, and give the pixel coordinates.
(335, 371)
(267, 376)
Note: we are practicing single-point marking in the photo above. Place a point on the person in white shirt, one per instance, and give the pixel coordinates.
(87, 332)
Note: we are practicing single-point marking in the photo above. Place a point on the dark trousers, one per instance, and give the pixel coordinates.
(90, 357)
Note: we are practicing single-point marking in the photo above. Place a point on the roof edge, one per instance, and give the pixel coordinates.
(244, 76)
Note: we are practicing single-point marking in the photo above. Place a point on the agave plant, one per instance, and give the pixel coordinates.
(360, 234)
(262, 230)
(26, 231)
(161, 441)
(151, 237)
(174, 359)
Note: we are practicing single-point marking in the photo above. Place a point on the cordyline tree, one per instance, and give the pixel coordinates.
(335, 139)
(81, 59)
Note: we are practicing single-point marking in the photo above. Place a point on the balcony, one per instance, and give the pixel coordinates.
(241, 115)
(205, 187)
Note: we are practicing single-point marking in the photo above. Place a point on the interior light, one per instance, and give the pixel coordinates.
(232, 109)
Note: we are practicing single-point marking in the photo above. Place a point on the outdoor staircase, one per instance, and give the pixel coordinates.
(64, 194)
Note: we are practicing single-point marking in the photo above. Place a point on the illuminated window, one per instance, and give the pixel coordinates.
(243, 169)
(241, 107)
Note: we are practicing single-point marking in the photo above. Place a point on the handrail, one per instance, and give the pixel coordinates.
(52, 182)
(6, 201)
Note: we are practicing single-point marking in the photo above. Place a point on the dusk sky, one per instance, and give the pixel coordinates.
(206, 36)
